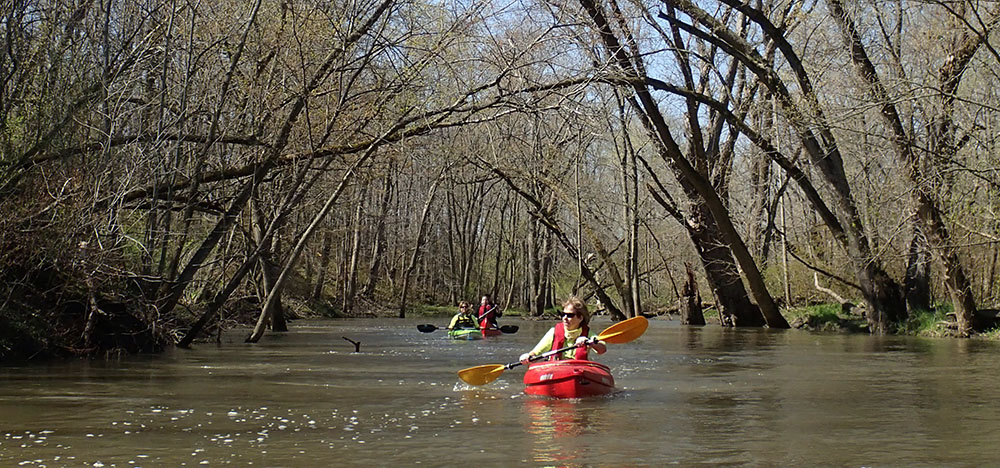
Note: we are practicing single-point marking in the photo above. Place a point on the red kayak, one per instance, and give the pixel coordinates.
(568, 379)
(491, 332)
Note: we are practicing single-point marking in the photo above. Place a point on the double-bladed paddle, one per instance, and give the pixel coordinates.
(621, 332)
(479, 318)
(427, 328)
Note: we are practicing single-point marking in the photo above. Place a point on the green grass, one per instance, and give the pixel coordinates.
(925, 323)
(825, 317)
(820, 312)
(427, 310)
(992, 334)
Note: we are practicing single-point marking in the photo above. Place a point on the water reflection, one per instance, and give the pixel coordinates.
(555, 426)
(694, 397)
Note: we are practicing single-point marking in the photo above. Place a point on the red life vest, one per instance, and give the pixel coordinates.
(559, 341)
(487, 316)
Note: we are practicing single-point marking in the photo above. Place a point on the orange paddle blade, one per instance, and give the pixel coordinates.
(621, 332)
(624, 331)
(481, 375)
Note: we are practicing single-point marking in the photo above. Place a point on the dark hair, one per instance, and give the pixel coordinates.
(579, 307)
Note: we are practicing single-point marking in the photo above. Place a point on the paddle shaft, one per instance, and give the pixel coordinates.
(428, 328)
(621, 332)
(546, 354)
(481, 317)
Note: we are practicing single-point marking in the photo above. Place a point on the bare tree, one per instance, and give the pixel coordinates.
(943, 143)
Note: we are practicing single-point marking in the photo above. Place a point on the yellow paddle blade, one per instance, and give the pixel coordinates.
(481, 375)
(624, 331)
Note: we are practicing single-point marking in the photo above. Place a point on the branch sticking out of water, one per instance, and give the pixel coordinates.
(357, 344)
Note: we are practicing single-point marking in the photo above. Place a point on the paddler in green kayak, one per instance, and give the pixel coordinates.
(573, 328)
(464, 319)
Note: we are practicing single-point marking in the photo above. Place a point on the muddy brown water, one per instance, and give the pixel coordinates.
(705, 396)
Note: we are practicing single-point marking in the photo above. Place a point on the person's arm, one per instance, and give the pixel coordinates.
(597, 345)
(543, 345)
(451, 326)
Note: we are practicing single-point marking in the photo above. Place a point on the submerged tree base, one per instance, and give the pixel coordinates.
(76, 329)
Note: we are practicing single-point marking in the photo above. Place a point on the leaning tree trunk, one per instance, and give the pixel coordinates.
(670, 151)
(806, 116)
(928, 212)
(273, 152)
(172, 295)
(296, 252)
(721, 272)
(735, 308)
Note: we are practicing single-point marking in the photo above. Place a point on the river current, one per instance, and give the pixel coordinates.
(688, 396)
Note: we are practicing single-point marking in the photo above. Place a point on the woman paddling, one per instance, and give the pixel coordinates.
(464, 319)
(488, 313)
(574, 327)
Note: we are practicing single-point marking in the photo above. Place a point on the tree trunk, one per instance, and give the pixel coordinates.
(547, 299)
(269, 270)
(918, 272)
(927, 210)
(350, 285)
(378, 245)
(534, 264)
(418, 243)
(690, 308)
(541, 213)
(669, 150)
(732, 300)
(804, 113)
(260, 170)
(296, 252)
(630, 282)
(324, 265)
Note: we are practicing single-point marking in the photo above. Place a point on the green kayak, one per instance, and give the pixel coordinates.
(465, 334)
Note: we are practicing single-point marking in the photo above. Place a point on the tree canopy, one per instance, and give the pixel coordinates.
(171, 168)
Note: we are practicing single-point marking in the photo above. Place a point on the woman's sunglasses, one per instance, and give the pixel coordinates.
(564, 314)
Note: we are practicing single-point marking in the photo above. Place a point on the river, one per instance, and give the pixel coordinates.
(689, 396)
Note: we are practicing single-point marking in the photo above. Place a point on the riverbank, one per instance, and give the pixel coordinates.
(120, 328)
